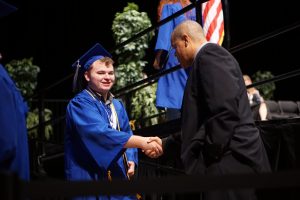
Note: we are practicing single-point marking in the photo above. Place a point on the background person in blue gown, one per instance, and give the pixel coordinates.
(171, 86)
(13, 110)
(99, 144)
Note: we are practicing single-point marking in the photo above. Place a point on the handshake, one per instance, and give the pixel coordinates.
(152, 147)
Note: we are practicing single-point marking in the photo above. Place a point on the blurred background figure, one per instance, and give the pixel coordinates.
(257, 103)
(171, 86)
(14, 156)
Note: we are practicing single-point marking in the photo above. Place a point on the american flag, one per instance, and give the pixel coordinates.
(213, 21)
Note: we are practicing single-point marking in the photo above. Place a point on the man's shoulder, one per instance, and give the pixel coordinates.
(210, 47)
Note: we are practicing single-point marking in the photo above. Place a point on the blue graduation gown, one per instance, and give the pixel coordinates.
(92, 146)
(170, 87)
(13, 137)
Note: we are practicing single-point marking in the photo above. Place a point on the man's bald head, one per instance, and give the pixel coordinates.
(191, 28)
(186, 39)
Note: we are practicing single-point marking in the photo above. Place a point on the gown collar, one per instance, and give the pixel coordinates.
(97, 95)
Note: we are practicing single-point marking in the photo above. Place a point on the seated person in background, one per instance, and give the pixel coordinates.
(257, 103)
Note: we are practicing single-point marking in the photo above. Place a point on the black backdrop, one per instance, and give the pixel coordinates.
(56, 32)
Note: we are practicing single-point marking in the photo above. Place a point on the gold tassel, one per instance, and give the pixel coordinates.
(109, 175)
(138, 196)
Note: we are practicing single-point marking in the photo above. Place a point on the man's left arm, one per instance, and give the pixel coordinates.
(220, 80)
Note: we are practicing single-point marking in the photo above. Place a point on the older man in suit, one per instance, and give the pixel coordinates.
(218, 132)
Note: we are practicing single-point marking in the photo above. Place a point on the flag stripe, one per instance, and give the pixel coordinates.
(213, 21)
(215, 27)
(221, 32)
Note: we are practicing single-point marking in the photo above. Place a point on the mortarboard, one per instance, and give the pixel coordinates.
(87, 59)
(6, 8)
(95, 53)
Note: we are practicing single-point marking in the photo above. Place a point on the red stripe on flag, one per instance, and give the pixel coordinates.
(213, 24)
(211, 13)
(207, 8)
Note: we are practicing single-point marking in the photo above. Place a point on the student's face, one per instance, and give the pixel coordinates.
(100, 77)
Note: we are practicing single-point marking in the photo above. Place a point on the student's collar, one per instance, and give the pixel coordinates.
(97, 95)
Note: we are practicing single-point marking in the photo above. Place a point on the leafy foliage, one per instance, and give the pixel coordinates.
(129, 73)
(33, 120)
(24, 73)
(143, 105)
(267, 90)
(130, 70)
(127, 24)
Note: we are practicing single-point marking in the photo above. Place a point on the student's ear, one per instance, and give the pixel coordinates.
(87, 76)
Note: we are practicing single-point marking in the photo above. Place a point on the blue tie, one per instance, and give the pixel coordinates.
(109, 112)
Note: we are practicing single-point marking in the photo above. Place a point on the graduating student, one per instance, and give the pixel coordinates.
(99, 144)
(14, 156)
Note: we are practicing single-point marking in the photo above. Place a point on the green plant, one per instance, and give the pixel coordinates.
(267, 89)
(127, 24)
(130, 70)
(128, 73)
(33, 120)
(143, 105)
(25, 73)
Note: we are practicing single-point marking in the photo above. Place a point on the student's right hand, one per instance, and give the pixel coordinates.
(156, 149)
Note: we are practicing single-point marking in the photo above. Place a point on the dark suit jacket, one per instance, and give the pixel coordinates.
(216, 116)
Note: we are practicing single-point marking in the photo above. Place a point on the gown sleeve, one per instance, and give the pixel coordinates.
(8, 140)
(164, 32)
(218, 76)
(163, 41)
(13, 136)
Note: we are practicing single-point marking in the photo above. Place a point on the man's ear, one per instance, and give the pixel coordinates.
(185, 38)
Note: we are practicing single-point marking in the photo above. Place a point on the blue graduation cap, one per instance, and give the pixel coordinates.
(95, 53)
(6, 8)
(87, 59)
